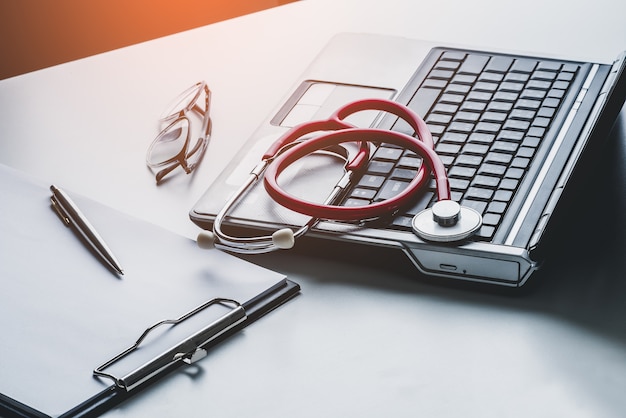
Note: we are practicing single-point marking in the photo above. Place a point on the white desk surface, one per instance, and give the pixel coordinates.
(359, 340)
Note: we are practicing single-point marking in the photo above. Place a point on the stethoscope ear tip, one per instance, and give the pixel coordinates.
(206, 240)
(283, 239)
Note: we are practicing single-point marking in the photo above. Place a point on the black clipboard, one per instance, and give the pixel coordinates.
(64, 315)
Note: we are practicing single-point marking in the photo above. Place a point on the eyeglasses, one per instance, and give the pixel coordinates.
(174, 146)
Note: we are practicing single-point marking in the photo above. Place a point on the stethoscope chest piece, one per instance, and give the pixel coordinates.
(446, 221)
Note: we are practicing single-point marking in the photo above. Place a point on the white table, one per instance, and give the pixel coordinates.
(360, 340)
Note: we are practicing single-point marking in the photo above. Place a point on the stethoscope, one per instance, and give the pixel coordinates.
(445, 221)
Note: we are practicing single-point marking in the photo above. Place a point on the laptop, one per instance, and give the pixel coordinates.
(513, 131)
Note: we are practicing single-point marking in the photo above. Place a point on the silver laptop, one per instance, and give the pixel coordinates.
(513, 132)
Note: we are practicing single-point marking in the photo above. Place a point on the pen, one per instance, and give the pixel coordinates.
(73, 217)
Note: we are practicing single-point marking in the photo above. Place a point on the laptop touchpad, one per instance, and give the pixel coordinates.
(317, 100)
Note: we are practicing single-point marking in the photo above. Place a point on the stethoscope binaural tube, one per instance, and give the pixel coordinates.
(352, 213)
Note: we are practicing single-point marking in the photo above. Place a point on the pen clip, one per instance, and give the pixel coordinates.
(58, 208)
(188, 351)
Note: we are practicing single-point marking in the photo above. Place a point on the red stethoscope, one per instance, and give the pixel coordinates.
(445, 221)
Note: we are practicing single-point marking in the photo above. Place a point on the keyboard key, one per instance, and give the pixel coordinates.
(499, 64)
(459, 184)
(445, 108)
(556, 93)
(492, 77)
(509, 184)
(531, 141)
(481, 138)
(351, 202)
(504, 107)
(469, 160)
(465, 116)
(486, 181)
(388, 154)
(479, 193)
(486, 232)
(423, 100)
(485, 86)
(546, 112)
(488, 127)
(514, 173)
(513, 136)
(474, 148)
(422, 202)
(549, 66)
(403, 174)
(439, 118)
(441, 74)
(492, 169)
(525, 152)
(539, 84)
(367, 194)
(436, 84)
(505, 146)
(455, 88)
(517, 77)
(453, 56)
(447, 65)
(522, 65)
(523, 114)
(380, 167)
(520, 162)
(473, 106)
(443, 148)
(498, 158)
(371, 181)
(533, 94)
(510, 86)
(497, 117)
(541, 122)
(497, 207)
(410, 162)
(543, 75)
(462, 172)
(462, 127)
(503, 195)
(474, 64)
(491, 219)
(506, 96)
(516, 125)
(528, 104)
(478, 205)
(402, 222)
(390, 189)
(454, 137)
(479, 96)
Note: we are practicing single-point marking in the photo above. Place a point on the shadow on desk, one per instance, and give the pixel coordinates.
(582, 282)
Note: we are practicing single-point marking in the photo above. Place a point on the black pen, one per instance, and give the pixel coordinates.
(73, 217)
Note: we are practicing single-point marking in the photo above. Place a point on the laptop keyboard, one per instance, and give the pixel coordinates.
(488, 114)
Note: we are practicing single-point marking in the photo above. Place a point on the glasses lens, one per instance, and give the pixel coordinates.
(169, 144)
(184, 102)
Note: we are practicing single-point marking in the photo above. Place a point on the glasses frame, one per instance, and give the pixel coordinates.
(187, 151)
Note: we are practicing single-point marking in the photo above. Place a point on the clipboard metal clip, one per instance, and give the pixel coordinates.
(188, 351)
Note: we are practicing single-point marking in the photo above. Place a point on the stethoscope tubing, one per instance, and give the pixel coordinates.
(334, 131)
(347, 213)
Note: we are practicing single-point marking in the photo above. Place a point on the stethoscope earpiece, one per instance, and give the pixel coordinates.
(283, 239)
(206, 240)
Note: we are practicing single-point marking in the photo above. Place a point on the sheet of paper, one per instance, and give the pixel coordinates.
(63, 313)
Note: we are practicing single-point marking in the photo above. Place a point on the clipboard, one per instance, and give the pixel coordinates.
(77, 339)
